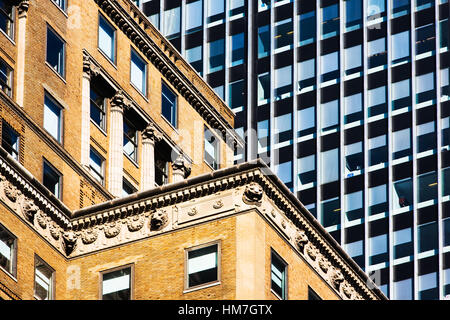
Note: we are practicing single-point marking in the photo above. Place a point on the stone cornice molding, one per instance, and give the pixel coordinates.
(137, 34)
(151, 134)
(223, 193)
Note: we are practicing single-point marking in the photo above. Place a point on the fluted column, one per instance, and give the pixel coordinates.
(22, 8)
(150, 136)
(118, 103)
(181, 169)
(89, 70)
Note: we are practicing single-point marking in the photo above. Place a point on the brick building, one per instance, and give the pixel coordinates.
(116, 176)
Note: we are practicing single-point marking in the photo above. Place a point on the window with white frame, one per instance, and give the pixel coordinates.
(138, 72)
(61, 3)
(130, 140)
(202, 265)
(52, 179)
(107, 38)
(6, 74)
(8, 248)
(56, 52)
(7, 17)
(278, 275)
(53, 117)
(117, 284)
(43, 280)
(212, 145)
(96, 166)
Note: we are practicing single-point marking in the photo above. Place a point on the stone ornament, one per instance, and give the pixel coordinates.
(42, 220)
(135, 223)
(192, 212)
(11, 192)
(29, 209)
(89, 236)
(120, 101)
(324, 264)
(253, 194)
(151, 133)
(336, 278)
(158, 220)
(69, 241)
(112, 229)
(22, 7)
(348, 291)
(182, 165)
(54, 231)
(312, 251)
(218, 204)
(88, 66)
(301, 240)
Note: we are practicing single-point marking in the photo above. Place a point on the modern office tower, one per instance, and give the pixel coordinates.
(347, 101)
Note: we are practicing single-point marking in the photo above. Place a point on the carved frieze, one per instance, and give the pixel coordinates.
(218, 204)
(112, 229)
(192, 212)
(135, 223)
(312, 251)
(301, 240)
(11, 191)
(29, 209)
(42, 220)
(69, 241)
(336, 278)
(54, 231)
(324, 264)
(89, 236)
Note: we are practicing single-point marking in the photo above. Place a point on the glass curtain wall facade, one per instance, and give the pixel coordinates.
(348, 102)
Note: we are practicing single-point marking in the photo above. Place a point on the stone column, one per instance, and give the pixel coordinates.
(22, 8)
(89, 70)
(150, 136)
(118, 103)
(181, 169)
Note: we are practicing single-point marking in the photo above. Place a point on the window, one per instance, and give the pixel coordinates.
(378, 248)
(127, 188)
(6, 78)
(426, 136)
(329, 113)
(263, 136)
(400, 45)
(403, 245)
(10, 140)
(236, 7)
(169, 105)
(138, 72)
(330, 18)
(375, 7)
(425, 38)
(130, 140)
(353, 59)
(330, 66)
(283, 34)
(43, 280)
(330, 166)
(212, 146)
(52, 179)
(307, 169)
(283, 82)
(353, 14)
(195, 57)
(355, 250)
(53, 118)
(307, 25)
(331, 212)
(7, 11)
(263, 88)
(400, 6)
(8, 251)
(353, 108)
(202, 265)
(194, 15)
(96, 166)
(354, 205)
(427, 187)
(306, 121)
(216, 55)
(401, 94)
(376, 100)
(161, 168)
(107, 38)
(425, 86)
(117, 284)
(236, 95)
(56, 52)
(403, 289)
(278, 273)
(98, 108)
(378, 198)
(171, 22)
(283, 128)
(284, 172)
(312, 295)
(61, 3)
(216, 10)
(428, 286)
(378, 151)
(306, 73)
(263, 41)
(377, 52)
(403, 194)
(401, 146)
(428, 236)
(354, 156)
(237, 49)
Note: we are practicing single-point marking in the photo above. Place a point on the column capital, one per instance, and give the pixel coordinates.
(89, 69)
(22, 7)
(120, 101)
(181, 166)
(151, 134)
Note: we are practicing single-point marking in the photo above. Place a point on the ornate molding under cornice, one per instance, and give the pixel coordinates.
(137, 34)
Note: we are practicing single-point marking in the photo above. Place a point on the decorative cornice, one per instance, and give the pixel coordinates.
(186, 87)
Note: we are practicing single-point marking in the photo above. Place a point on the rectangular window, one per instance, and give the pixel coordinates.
(378, 151)
(7, 15)
(236, 95)
(403, 245)
(378, 198)
(375, 7)
(428, 236)
(377, 52)
(353, 14)
(403, 194)
(400, 46)
(425, 38)
(307, 169)
(401, 94)
(354, 156)
(168, 105)
(278, 275)
(284, 172)
(6, 75)
(216, 10)
(98, 108)
(330, 18)
(127, 188)
(52, 179)
(194, 15)
(353, 108)
(263, 41)
(376, 101)
(10, 140)
(378, 249)
(329, 113)
(331, 212)
(202, 266)
(401, 146)
(130, 140)
(53, 118)
(107, 38)
(306, 121)
(330, 166)
(138, 72)
(171, 22)
(216, 55)
(283, 82)
(212, 147)
(354, 205)
(117, 284)
(56, 52)
(284, 34)
(96, 166)
(307, 26)
(353, 59)
(43, 280)
(426, 136)
(427, 187)
(306, 73)
(237, 42)
(195, 57)
(425, 87)
(403, 289)
(263, 88)
(8, 251)
(330, 66)
(61, 3)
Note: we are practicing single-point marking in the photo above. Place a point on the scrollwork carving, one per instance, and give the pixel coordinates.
(158, 220)
(192, 212)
